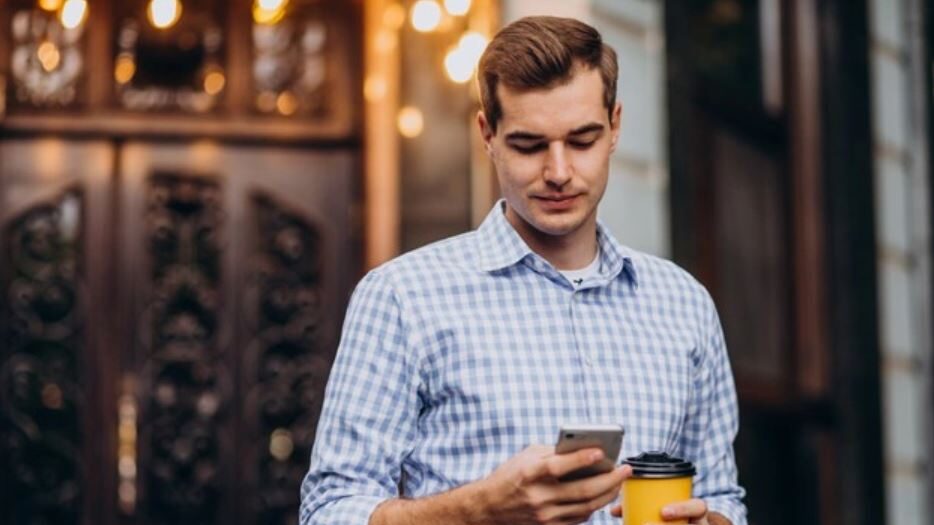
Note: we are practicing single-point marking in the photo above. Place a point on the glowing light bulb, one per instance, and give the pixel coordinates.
(374, 89)
(458, 65)
(286, 103)
(473, 44)
(426, 15)
(394, 16)
(124, 69)
(271, 4)
(457, 7)
(410, 122)
(73, 13)
(214, 82)
(386, 41)
(163, 14)
(269, 12)
(50, 5)
(462, 59)
(281, 444)
(48, 56)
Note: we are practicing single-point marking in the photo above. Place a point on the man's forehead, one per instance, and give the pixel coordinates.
(569, 104)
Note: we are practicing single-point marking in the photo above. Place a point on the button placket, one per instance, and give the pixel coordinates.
(577, 298)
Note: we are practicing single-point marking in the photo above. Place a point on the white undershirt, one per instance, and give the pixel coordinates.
(581, 275)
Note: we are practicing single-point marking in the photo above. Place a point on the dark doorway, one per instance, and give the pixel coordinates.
(771, 198)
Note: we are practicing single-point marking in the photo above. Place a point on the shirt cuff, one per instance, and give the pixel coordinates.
(351, 510)
(729, 509)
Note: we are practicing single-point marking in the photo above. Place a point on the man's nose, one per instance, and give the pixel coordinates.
(557, 171)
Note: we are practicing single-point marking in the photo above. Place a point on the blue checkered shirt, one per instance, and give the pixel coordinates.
(458, 355)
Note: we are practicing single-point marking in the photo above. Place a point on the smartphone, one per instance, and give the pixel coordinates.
(608, 438)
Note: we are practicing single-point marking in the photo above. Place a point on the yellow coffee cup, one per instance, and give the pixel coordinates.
(657, 480)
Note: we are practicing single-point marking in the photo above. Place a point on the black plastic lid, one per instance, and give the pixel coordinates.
(657, 464)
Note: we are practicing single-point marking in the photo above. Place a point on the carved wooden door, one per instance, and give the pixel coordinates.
(169, 317)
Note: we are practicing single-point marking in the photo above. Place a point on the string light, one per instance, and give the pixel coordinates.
(394, 17)
(164, 14)
(426, 15)
(374, 89)
(281, 445)
(49, 56)
(458, 66)
(286, 103)
(269, 12)
(386, 41)
(50, 5)
(214, 82)
(473, 44)
(73, 13)
(410, 122)
(457, 7)
(124, 69)
(461, 61)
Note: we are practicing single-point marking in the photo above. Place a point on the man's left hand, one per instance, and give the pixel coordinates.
(693, 510)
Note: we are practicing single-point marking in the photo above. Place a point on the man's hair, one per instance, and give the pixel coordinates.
(542, 52)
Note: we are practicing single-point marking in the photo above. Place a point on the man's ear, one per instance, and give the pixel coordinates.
(486, 132)
(615, 124)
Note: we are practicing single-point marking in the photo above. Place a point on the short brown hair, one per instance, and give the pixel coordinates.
(541, 52)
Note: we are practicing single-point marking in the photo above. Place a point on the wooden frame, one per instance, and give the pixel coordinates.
(927, 13)
(238, 123)
(851, 247)
(381, 182)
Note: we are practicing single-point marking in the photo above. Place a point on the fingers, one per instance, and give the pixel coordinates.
(557, 465)
(594, 486)
(582, 510)
(579, 499)
(689, 509)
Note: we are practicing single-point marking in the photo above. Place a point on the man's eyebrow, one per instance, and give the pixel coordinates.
(587, 128)
(524, 135)
(528, 135)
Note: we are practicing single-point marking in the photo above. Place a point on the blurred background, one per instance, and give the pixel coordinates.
(189, 191)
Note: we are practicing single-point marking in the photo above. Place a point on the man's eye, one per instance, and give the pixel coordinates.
(528, 149)
(582, 145)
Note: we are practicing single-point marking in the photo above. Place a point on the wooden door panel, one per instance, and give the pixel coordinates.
(178, 304)
(752, 276)
(54, 355)
(238, 262)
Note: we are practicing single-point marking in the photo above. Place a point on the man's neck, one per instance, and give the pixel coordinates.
(572, 251)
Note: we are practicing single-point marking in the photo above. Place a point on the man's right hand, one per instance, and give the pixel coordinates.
(525, 489)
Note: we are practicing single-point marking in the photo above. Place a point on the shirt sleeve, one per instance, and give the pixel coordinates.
(368, 421)
(712, 424)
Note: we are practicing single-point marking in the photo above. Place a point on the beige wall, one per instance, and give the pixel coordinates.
(903, 256)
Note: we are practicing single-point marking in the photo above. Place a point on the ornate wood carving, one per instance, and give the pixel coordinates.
(286, 367)
(41, 395)
(183, 363)
(47, 58)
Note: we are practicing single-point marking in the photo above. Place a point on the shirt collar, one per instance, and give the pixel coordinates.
(500, 246)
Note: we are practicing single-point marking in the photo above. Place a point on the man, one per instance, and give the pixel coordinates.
(460, 361)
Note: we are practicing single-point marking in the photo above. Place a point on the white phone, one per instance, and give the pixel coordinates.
(608, 438)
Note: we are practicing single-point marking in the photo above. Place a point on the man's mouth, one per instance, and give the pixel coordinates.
(556, 197)
(561, 201)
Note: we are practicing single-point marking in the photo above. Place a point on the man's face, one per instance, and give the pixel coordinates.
(551, 151)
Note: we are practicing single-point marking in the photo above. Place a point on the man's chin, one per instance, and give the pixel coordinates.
(557, 228)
